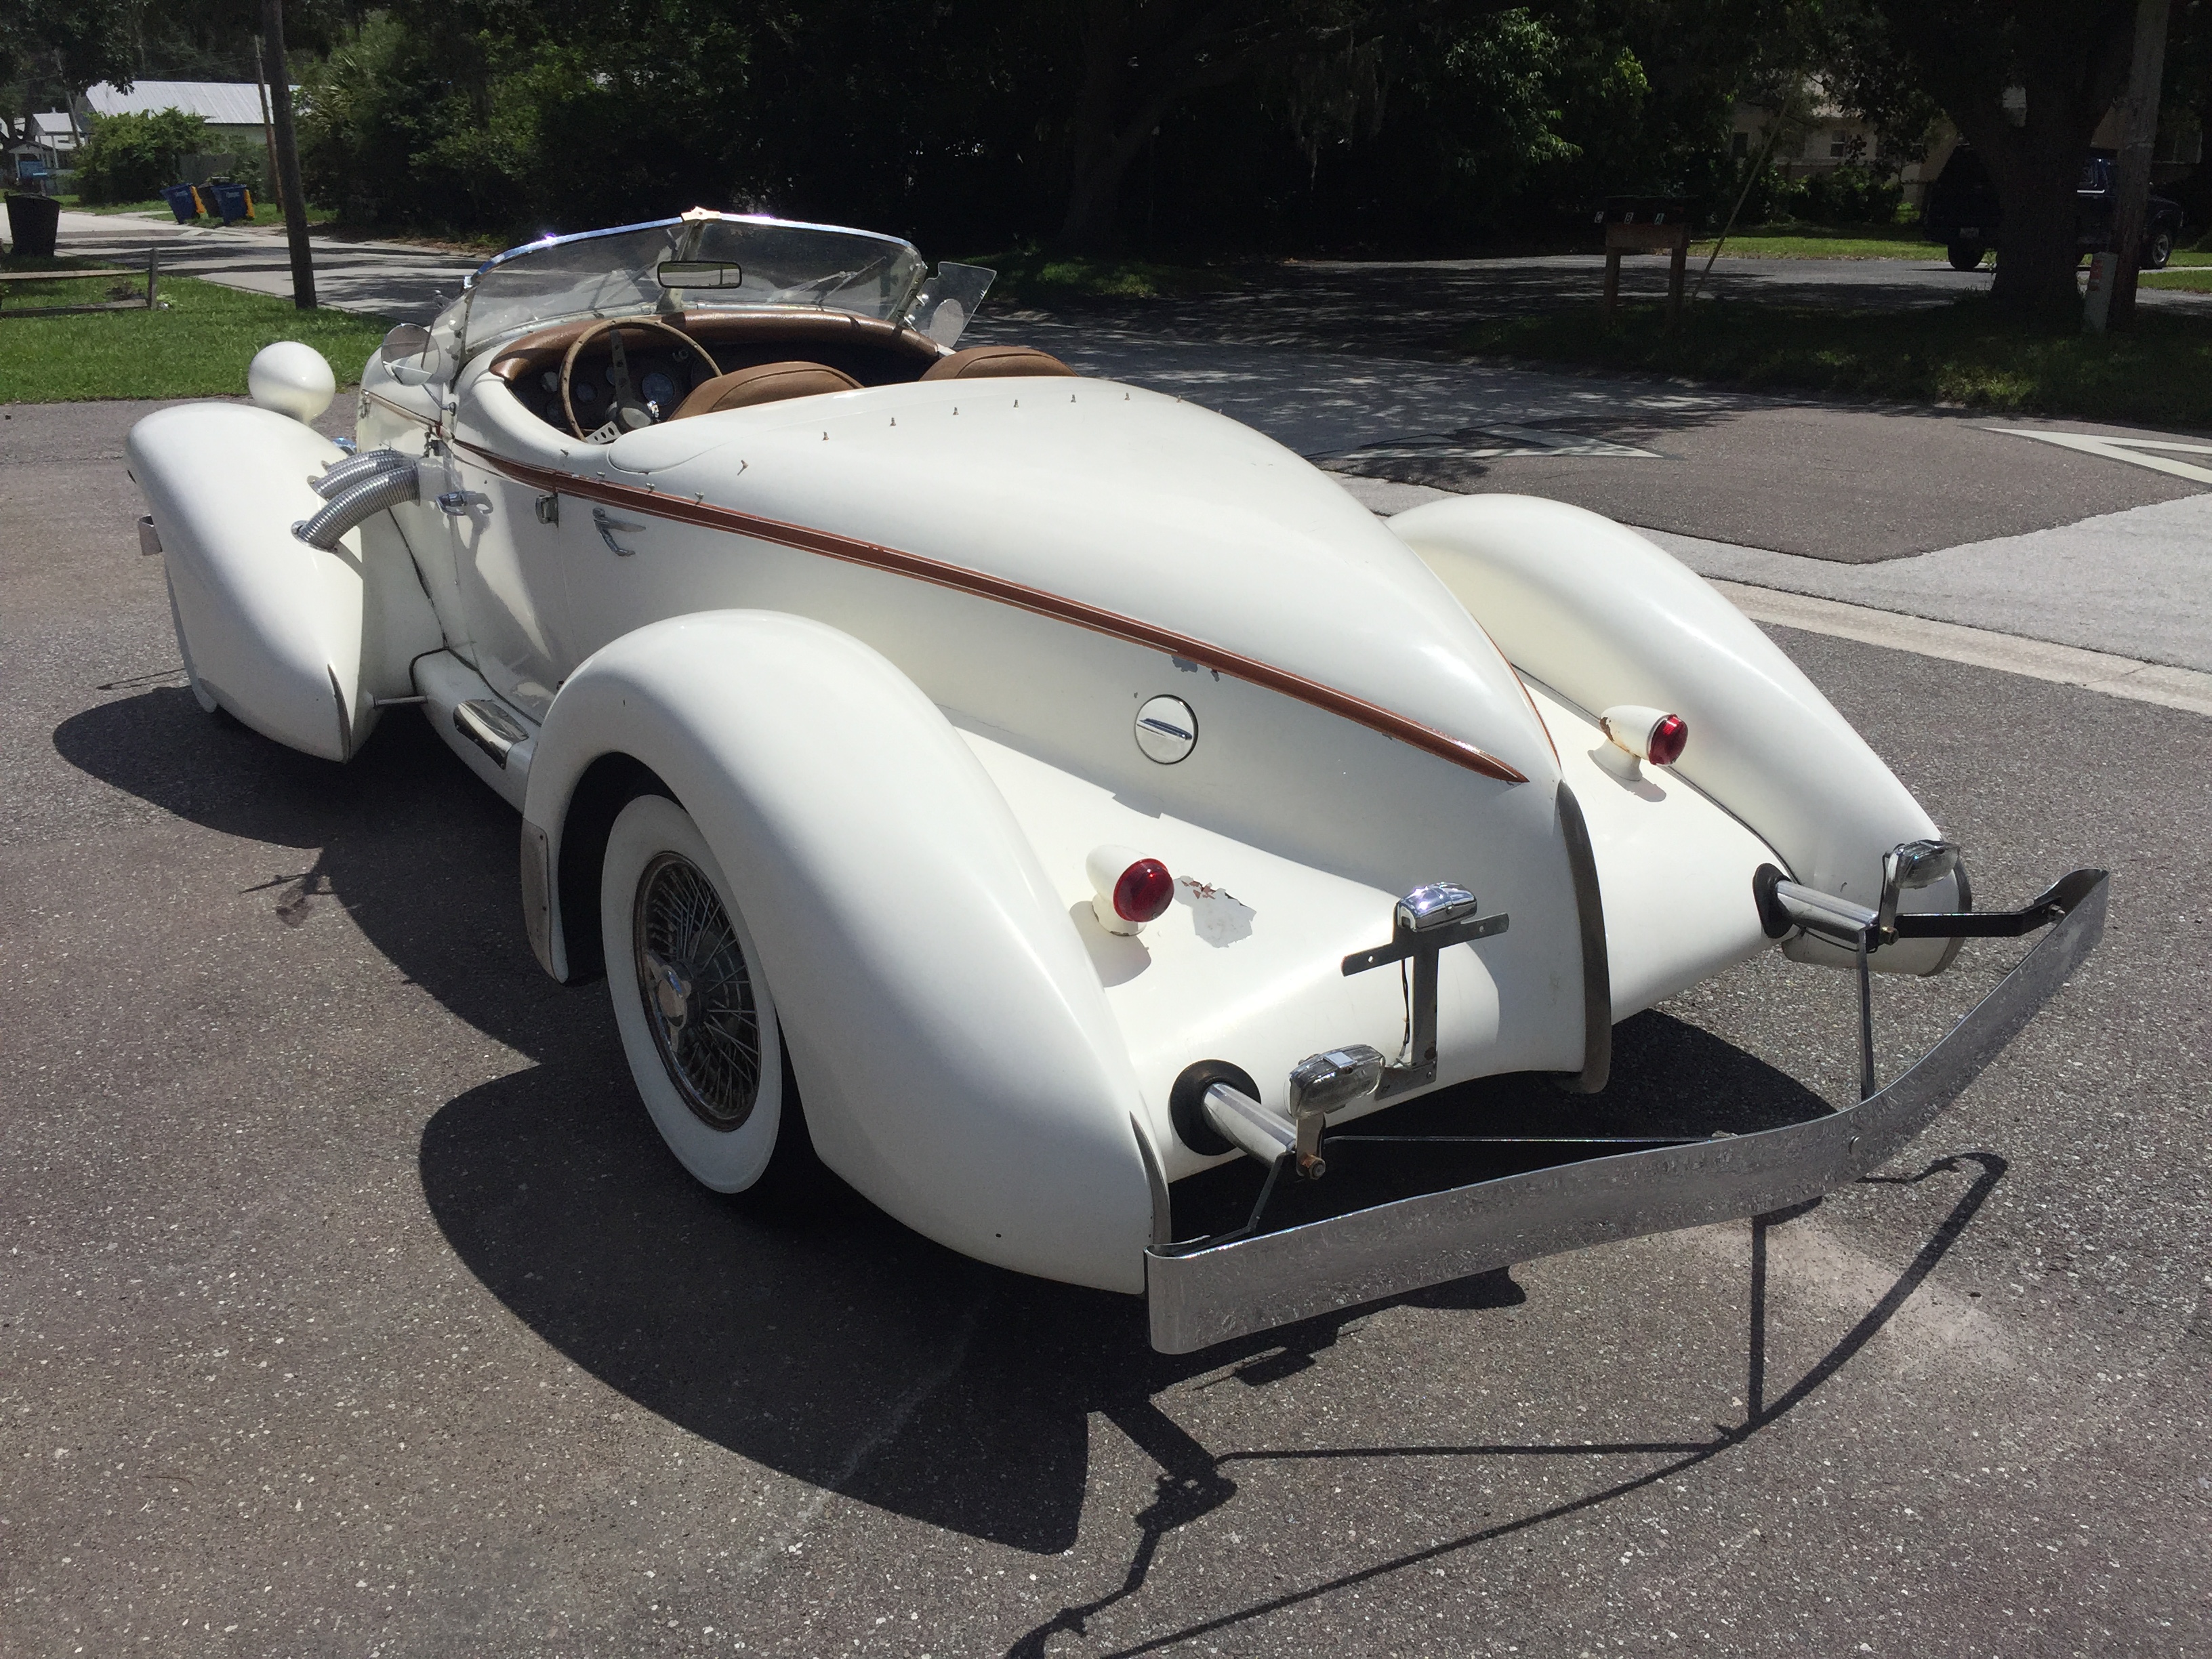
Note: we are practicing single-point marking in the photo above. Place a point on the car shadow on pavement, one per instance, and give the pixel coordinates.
(841, 1348)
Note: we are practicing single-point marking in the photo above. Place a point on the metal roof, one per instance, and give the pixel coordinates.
(223, 103)
(54, 123)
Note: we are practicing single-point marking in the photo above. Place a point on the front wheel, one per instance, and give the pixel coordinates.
(692, 1002)
(1966, 256)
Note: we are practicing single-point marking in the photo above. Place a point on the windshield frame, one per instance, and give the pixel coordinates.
(456, 318)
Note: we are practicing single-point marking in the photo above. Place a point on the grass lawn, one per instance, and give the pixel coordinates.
(74, 205)
(1794, 241)
(1028, 275)
(2189, 268)
(1964, 353)
(198, 346)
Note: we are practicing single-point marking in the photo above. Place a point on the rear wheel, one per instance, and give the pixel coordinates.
(1966, 256)
(692, 1002)
(2157, 249)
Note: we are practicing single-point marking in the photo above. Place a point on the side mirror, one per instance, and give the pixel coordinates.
(412, 355)
(947, 301)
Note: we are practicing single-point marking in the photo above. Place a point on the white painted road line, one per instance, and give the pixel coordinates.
(2136, 584)
(2136, 452)
(2068, 665)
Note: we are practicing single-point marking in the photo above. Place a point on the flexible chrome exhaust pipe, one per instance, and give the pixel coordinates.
(353, 470)
(386, 487)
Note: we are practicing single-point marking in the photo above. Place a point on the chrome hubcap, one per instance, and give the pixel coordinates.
(697, 992)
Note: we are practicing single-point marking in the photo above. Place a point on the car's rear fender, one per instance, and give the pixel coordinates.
(1605, 618)
(958, 1062)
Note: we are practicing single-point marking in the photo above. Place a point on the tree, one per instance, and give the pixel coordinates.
(2068, 58)
(59, 47)
(2138, 140)
(276, 70)
(129, 157)
(1141, 58)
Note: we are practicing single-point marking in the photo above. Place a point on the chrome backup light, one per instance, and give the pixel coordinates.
(1437, 905)
(1910, 864)
(1650, 734)
(1324, 1082)
(1319, 1084)
(1128, 888)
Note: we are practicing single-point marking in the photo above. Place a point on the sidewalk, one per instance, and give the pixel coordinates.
(386, 279)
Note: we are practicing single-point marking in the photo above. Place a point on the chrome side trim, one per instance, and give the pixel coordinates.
(1212, 1295)
(488, 726)
(1597, 967)
(1156, 1181)
(345, 716)
(538, 894)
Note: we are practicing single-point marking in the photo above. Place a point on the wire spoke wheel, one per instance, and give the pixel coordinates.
(697, 991)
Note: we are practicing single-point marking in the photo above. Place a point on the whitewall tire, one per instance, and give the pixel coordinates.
(692, 1001)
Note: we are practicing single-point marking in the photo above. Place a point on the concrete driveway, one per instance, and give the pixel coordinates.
(350, 1306)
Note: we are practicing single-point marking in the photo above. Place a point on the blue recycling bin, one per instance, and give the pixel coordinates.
(232, 202)
(182, 201)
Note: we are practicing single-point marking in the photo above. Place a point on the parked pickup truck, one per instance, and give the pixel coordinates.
(1962, 211)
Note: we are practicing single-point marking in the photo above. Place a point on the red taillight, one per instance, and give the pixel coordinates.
(1143, 892)
(1667, 738)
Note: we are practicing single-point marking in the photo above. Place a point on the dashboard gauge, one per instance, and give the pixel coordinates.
(582, 391)
(660, 388)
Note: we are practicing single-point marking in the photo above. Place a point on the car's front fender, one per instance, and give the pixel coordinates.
(955, 1053)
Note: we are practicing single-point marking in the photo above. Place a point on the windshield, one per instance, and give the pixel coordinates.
(728, 263)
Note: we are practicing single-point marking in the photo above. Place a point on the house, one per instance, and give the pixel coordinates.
(1831, 137)
(55, 131)
(43, 151)
(232, 109)
(1823, 139)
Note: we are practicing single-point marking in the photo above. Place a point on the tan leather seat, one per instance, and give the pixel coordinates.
(764, 383)
(994, 363)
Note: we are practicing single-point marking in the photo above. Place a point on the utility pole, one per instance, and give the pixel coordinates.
(268, 131)
(2138, 139)
(288, 188)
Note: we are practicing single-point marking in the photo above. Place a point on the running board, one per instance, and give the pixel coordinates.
(493, 737)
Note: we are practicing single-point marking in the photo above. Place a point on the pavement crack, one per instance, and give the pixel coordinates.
(892, 1425)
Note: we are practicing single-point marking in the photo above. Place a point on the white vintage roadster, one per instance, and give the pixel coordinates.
(1062, 788)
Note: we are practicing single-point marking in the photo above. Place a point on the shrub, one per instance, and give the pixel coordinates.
(1851, 195)
(128, 158)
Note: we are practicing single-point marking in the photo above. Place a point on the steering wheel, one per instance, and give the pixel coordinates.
(631, 411)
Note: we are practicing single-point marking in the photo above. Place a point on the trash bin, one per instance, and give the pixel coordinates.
(183, 201)
(231, 202)
(32, 223)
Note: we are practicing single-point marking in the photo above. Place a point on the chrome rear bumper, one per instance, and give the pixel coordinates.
(1200, 1297)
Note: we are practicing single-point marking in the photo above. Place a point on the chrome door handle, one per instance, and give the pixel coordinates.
(462, 503)
(607, 526)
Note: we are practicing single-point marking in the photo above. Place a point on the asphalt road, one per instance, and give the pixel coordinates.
(1350, 362)
(1820, 479)
(350, 1306)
